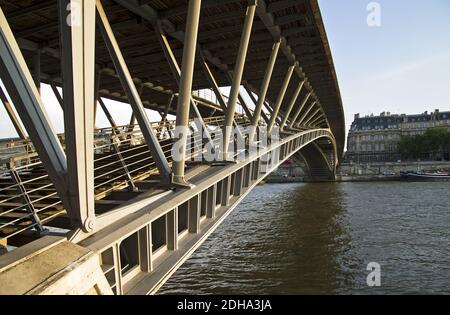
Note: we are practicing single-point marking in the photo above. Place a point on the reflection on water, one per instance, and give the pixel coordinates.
(319, 238)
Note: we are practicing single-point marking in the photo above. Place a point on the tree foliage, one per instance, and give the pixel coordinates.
(434, 144)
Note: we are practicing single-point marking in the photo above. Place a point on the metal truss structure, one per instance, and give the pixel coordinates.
(118, 191)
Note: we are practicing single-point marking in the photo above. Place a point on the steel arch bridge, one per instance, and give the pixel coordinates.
(118, 201)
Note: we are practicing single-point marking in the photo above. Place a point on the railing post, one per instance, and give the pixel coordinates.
(280, 97)
(237, 76)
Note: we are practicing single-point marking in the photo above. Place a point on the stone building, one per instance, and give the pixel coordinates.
(376, 138)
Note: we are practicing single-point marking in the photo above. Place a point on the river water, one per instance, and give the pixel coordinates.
(319, 239)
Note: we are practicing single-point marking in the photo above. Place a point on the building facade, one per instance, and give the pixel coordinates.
(376, 138)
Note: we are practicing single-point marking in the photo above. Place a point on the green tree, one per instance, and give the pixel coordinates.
(433, 144)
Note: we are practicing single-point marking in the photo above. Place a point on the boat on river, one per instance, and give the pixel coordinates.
(437, 176)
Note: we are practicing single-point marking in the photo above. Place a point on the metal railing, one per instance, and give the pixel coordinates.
(28, 199)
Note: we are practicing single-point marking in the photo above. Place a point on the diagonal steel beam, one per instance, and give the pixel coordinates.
(12, 116)
(252, 97)
(176, 71)
(280, 97)
(292, 103)
(57, 94)
(237, 77)
(264, 88)
(107, 113)
(215, 87)
(21, 88)
(133, 94)
(313, 117)
(305, 115)
(299, 110)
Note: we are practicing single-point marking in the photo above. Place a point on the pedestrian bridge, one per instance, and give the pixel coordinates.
(129, 204)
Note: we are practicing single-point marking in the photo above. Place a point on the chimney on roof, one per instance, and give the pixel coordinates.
(356, 116)
(383, 114)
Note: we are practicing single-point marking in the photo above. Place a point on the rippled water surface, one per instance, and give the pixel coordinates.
(319, 238)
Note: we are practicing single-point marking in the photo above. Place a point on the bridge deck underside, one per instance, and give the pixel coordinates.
(35, 23)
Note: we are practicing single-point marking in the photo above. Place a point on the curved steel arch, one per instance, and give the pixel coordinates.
(125, 193)
(220, 193)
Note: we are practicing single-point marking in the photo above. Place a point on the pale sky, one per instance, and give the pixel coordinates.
(403, 66)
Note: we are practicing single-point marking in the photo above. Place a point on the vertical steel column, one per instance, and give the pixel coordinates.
(194, 214)
(237, 76)
(211, 206)
(201, 126)
(291, 104)
(299, 110)
(226, 191)
(185, 91)
(12, 116)
(172, 229)
(145, 249)
(77, 30)
(244, 105)
(21, 88)
(263, 90)
(280, 98)
(132, 94)
(238, 182)
(215, 87)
